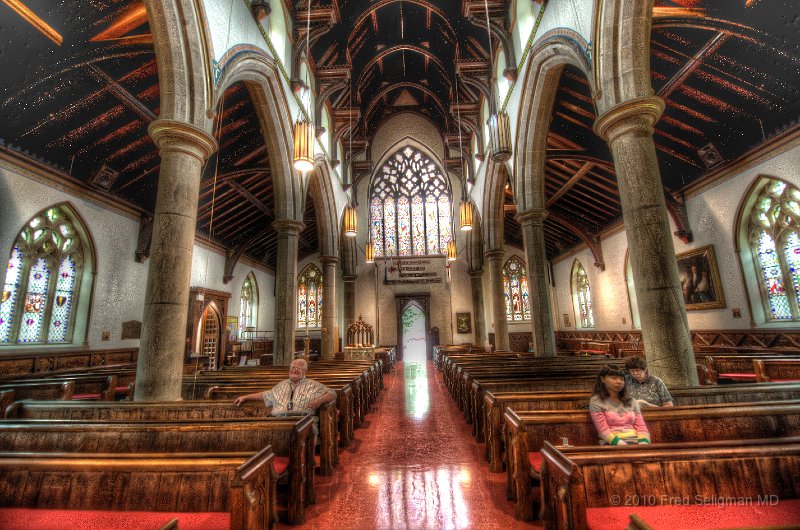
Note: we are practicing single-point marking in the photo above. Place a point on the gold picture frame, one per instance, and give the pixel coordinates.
(700, 281)
(463, 322)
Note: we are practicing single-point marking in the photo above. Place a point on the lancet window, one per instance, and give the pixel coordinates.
(309, 298)
(515, 283)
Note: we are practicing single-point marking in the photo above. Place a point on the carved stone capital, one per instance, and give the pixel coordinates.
(171, 135)
(494, 254)
(475, 273)
(532, 216)
(288, 226)
(329, 259)
(639, 114)
(348, 278)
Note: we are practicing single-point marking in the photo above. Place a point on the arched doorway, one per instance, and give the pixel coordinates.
(210, 342)
(413, 321)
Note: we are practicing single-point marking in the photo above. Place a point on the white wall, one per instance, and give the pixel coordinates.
(119, 285)
(712, 213)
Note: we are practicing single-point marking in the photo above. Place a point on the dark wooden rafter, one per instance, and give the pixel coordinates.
(694, 62)
(592, 241)
(499, 28)
(125, 97)
(475, 74)
(584, 169)
(677, 209)
(322, 20)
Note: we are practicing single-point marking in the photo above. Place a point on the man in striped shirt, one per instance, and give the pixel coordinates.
(296, 395)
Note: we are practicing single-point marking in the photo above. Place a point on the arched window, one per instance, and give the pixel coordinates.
(309, 298)
(43, 279)
(248, 307)
(773, 237)
(582, 296)
(410, 206)
(515, 282)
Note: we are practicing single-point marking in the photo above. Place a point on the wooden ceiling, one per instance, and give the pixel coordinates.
(79, 98)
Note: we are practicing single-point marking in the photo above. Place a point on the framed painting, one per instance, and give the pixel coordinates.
(463, 323)
(700, 282)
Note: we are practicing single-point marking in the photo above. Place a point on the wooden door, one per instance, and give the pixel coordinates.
(210, 338)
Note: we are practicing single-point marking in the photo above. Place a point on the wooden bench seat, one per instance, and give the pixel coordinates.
(777, 370)
(44, 390)
(289, 437)
(234, 487)
(528, 431)
(172, 410)
(685, 485)
(496, 403)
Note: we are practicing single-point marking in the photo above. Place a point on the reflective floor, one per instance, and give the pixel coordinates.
(414, 465)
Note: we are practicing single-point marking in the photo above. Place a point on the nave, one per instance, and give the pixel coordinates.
(415, 465)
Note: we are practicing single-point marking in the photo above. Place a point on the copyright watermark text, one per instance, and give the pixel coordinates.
(693, 500)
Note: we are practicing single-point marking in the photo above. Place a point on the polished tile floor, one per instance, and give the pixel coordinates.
(414, 465)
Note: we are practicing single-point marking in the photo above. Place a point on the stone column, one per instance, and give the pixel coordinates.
(544, 339)
(349, 301)
(183, 149)
(285, 290)
(628, 129)
(328, 305)
(497, 293)
(476, 281)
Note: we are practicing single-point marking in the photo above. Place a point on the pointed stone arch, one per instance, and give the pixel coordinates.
(540, 84)
(261, 77)
(319, 189)
(493, 192)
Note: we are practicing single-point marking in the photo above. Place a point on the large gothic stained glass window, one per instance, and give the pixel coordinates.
(42, 281)
(774, 231)
(582, 295)
(515, 283)
(309, 298)
(410, 206)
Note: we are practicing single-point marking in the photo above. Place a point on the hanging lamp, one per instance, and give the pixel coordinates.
(498, 122)
(350, 222)
(303, 128)
(452, 251)
(465, 209)
(369, 252)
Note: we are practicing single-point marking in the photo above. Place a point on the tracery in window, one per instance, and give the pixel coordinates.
(42, 281)
(410, 206)
(248, 306)
(515, 283)
(774, 237)
(582, 295)
(309, 298)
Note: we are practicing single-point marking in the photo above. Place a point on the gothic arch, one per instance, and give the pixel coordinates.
(493, 226)
(475, 242)
(262, 79)
(622, 55)
(183, 67)
(319, 190)
(541, 79)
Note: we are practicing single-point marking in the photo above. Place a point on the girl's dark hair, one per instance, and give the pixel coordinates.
(600, 388)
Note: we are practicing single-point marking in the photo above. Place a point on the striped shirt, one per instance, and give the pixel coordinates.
(300, 395)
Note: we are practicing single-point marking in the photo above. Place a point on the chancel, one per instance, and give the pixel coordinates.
(467, 217)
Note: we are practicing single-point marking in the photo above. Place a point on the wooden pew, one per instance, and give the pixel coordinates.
(526, 433)
(53, 390)
(737, 366)
(290, 438)
(778, 370)
(239, 484)
(162, 411)
(496, 403)
(679, 484)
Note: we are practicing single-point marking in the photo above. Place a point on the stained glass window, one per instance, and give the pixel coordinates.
(248, 304)
(410, 206)
(42, 281)
(515, 282)
(775, 246)
(309, 298)
(583, 295)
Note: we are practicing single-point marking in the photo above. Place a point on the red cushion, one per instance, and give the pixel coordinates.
(737, 376)
(121, 389)
(784, 380)
(85, 396)
(595, 352)
(26, 518)
(696, 515)
(281, 464)
(535, 459)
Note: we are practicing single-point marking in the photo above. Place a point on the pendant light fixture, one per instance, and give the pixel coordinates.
(350, 220)
(452, 251)
(369, 252)
(499, 123)
(465, 208)
(303, 128)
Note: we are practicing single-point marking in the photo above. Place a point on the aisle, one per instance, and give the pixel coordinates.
(414, 465)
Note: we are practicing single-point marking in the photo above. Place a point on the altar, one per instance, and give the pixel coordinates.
(360, 342)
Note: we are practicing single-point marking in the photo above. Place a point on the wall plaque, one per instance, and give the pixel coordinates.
(131, 329)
